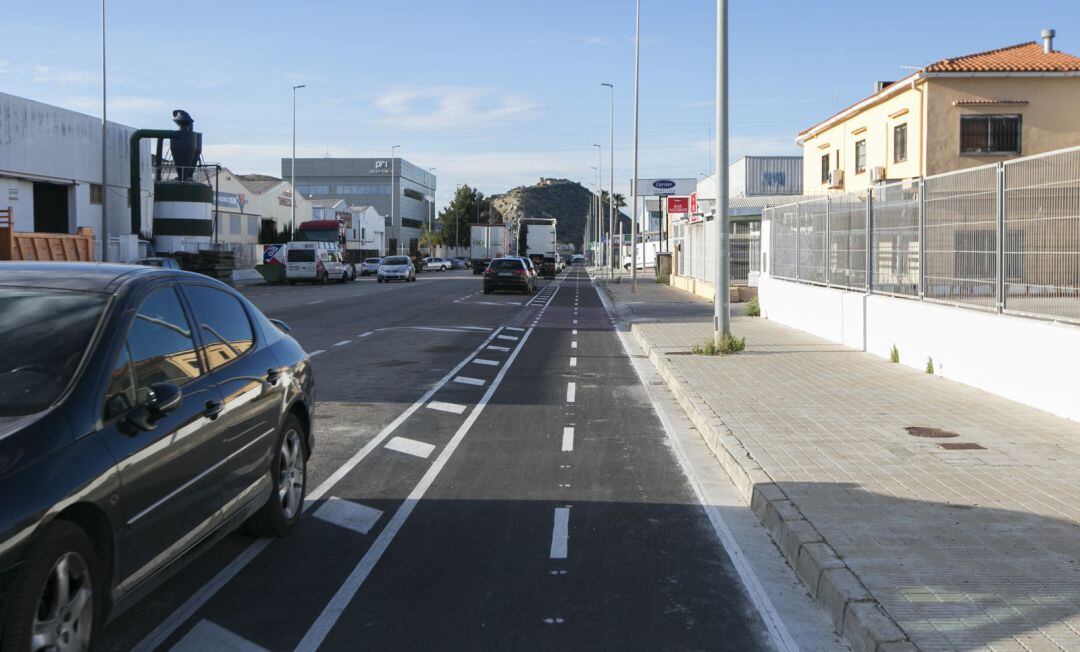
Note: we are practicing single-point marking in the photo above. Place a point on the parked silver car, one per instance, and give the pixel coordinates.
(370, 266)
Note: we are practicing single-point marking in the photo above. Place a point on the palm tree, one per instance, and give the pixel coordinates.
(620, 200)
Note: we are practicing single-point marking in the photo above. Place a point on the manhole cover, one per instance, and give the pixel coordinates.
(962, 447)
(931, 433)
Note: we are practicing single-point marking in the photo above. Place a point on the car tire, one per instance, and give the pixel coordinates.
(60, 542)
(292, 282)
(288, 481)
(488, 291)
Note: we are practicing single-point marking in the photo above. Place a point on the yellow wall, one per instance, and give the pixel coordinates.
(874, 124)
(1050, 120)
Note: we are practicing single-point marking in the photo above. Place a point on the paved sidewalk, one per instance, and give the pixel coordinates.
(961, 549)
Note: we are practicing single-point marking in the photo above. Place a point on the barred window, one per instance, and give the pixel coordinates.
(990, 134)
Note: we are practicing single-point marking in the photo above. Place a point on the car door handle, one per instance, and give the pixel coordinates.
(272, 376)
(213, 409)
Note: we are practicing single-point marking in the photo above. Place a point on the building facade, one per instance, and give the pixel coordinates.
(954, 114)
(402, 192)
(50, 172)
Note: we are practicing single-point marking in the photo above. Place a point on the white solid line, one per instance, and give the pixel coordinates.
(410, 447)
(560, 533)
(333, 610)
(568, 439)
(455, 408)
(489, 363)
(349, 515)
(571, 392)
(498, 348)
(366, 334)
(573, 362)
(316, 352)
(777, 629)
(478, 328)
(573, 345)
(465, 380)
(311, 303)
(508, 337)
(165, 629)
(342, 343)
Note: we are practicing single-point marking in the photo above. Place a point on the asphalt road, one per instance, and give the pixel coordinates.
(490, 473)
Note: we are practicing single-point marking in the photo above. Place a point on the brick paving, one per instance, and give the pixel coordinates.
(964, 549)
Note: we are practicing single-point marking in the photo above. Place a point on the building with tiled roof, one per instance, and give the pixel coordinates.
(955, 113)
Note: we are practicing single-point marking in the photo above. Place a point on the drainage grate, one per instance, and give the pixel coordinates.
(930, 433)
(962, 447)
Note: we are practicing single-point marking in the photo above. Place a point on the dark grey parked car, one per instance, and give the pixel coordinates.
(144, 414)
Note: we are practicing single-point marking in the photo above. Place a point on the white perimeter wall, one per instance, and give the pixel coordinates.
(1027, 360)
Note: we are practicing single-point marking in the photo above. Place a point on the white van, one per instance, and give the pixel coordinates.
(317, 262)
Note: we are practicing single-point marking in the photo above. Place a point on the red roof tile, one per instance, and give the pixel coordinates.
(1025, 57)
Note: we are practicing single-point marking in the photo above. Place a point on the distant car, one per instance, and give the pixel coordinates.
(439, 264)
(577, 259)
(158, 261)
(144, 415)
(396, 268)
(459, 262)
(549, 267)
(509, 274)
(529, 266)
(370, 266)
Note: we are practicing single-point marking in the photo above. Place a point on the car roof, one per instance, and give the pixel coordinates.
(94, 277)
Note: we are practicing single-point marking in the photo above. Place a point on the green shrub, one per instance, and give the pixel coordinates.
(753, 308)
(894, 355)
(930, 366)
(729, 344)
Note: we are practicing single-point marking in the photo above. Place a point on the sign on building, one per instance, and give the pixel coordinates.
(665, 187)
(678, 205)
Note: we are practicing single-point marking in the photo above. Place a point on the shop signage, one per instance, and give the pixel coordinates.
(678, 205)
(664, 187)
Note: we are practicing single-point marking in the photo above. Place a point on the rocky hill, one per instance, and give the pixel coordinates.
(566, 201)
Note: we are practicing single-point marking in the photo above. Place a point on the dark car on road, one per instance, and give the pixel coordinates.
(508, 274)
(144, 414)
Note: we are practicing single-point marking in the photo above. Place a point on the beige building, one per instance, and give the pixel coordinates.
(956, 113)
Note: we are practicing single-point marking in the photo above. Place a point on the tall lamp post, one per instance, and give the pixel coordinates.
(633, 185)
(137, 196)
(295, 193)
(393, 193)
(721, 309)
(431, 213)
(611, 181)
(594, 203)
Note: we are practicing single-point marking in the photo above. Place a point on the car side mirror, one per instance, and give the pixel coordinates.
(163, 400)
(282, 326)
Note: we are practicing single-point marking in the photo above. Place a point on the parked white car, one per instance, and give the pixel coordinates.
(317, 262)
(370, 266)
(396, 268)
(438, 264)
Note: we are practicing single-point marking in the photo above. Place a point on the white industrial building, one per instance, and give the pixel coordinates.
(50, 174)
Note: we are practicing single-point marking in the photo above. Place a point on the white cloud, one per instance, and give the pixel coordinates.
(63, 76)
(598, 39)
(449, 107)
(118, 103)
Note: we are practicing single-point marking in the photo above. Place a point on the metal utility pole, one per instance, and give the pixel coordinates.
(634, 189)
(393, 193)
(137, 196)
(431, 216)
(721, 309)
(292, 182)
(611, 182)
(594, 201)
(599, 194)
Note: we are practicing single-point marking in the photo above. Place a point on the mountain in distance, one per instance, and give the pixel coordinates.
(566, 201)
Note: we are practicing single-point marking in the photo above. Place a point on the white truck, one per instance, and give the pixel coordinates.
(487, 241)
(537, 239)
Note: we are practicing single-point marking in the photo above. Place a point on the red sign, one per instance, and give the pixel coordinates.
(678, 205)
(693, 203)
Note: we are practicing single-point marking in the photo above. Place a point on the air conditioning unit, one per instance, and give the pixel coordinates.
(877, 174)
(836, 179)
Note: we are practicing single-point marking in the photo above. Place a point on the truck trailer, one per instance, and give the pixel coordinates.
(488, 241)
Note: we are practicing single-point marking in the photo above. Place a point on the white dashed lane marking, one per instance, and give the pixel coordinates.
(454, 408)
(571, 392)
(349, 515)
(315, 353)
(488, 363)
(465, 380)
(410, 447)
(573, 362)
(568, 439)
(560, 533)
(342, 343)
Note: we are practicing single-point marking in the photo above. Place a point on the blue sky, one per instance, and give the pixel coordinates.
(495, 93)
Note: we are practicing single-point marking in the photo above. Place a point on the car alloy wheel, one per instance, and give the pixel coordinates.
(65, 612)
(290, 484)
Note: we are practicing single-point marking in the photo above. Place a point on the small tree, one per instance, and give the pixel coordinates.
(469, 206)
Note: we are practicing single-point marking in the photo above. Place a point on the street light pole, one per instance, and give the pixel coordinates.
(393, 193)
(633, 185)
(611, 181)
(594, 203)
(599, 193)
(721, 309)
(431, 215)
(105, 154)
(295, 193)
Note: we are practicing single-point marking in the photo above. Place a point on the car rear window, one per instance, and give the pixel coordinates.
(395, 260)
(372, 260)
(506, 263)
(46, 333)
(301, 256)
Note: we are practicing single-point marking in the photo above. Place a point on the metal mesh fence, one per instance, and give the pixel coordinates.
(1041, 246)
(895, 247)
(960, 229)
(697, 259)
(1003, 237)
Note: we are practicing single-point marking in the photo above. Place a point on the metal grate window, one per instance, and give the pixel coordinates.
(989, 134)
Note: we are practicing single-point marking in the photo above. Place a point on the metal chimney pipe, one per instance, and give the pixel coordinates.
(1048, 40)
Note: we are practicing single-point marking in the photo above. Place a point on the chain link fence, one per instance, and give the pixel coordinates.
(1003, 237)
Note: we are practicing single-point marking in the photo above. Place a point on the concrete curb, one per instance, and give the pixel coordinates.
(855, 613)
